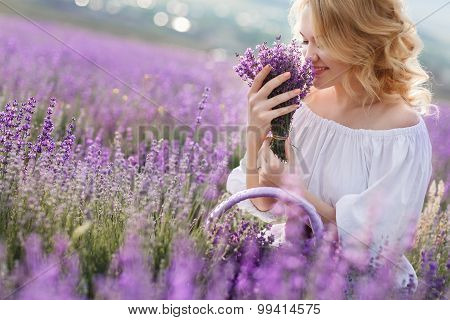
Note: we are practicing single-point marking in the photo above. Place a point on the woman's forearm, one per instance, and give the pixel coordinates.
(327, 212)
(254, 143)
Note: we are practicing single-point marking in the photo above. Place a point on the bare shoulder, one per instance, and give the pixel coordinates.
(312, 92)
(319, 100)
(400, 115)
(313, 98)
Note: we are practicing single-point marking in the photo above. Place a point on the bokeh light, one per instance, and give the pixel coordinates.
(181, 24)
(161, 19)
(96, 5)
(145, 4)
(82, 3)
(244, 19)
(177, 8)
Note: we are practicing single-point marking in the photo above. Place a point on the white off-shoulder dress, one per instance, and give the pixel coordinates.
(375, 179)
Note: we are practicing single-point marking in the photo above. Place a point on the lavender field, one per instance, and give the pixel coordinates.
(110, 164)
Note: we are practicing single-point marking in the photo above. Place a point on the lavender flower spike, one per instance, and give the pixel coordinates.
(282, 58)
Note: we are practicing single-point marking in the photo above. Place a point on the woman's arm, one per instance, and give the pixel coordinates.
(327, 212)
(254, 144)
(288, 177)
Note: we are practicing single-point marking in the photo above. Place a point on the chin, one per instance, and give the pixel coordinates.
(321, 84)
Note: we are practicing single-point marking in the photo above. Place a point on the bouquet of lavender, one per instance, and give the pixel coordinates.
(282, 58)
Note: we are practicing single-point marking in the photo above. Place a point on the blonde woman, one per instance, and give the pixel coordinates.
(359, 143)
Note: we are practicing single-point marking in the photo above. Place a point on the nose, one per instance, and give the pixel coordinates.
(309, 53)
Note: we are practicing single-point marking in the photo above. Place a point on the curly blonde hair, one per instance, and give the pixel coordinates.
(379, 42)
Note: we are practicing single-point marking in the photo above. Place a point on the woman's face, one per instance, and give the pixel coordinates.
(320, 58)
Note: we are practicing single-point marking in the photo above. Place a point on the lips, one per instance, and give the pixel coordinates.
(319, 70)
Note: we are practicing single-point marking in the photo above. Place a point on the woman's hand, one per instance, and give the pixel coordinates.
(275, 173)
(260, 116)
(260, 113)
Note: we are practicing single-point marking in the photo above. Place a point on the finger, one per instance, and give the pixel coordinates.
(264, 145)
(290, 155)
(275, 101)
(259, 79)
(272, 84)
(266, 149)
(266, 181)
(271, 163)
(275, 164)
(282, 111)
(288, 150)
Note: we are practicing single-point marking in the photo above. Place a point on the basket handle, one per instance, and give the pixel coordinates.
(300, 202)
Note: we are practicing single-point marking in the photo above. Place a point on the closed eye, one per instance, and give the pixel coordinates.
(305, 43)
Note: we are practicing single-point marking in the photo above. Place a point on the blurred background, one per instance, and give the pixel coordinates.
(94, 170)
(222, 28)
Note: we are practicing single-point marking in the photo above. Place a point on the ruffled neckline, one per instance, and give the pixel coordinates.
(370, 132)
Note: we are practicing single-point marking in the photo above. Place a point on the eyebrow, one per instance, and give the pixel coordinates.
(303, 35)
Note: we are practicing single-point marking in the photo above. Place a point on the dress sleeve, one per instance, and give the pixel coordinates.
(383, 214)
(237, 182)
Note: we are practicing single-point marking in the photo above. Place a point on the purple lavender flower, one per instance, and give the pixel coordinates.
(45, 141)
(282, 58)
(183, 271)
(47, 277)
(129, 276)
(67, 144)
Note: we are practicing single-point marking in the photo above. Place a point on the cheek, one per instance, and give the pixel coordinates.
(337, 66)
(340, 66)
(339, 71)
(330, 62)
